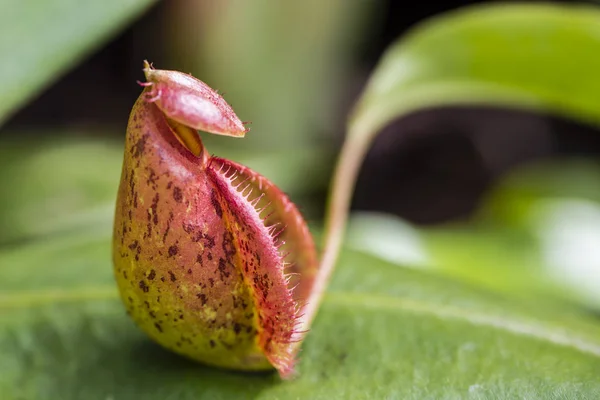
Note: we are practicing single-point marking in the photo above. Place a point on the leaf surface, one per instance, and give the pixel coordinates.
(40, 39)
(56, 185)
(383, 332)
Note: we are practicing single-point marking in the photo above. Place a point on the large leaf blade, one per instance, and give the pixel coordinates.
(384, 331)
(39, 40)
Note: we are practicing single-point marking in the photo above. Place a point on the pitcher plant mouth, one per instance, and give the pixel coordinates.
(188, 137)
(212, 260)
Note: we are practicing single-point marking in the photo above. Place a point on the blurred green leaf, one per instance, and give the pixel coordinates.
(555, 206)
(383, 332)
(40, 39)
(513, 200)
(536, 233)
(55, 183)
(534, 56)
(495, 258)
(557, 256)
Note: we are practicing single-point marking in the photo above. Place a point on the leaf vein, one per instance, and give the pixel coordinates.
(521, 327)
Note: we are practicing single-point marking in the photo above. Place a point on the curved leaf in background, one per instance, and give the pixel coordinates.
(40, 39)
(384, 332)
(528, 56)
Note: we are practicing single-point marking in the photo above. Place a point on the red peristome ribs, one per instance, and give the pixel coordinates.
(295, 241)
(258, 257)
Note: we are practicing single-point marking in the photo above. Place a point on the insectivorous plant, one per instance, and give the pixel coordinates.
(212, 260)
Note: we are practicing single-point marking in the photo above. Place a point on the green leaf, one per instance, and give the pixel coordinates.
(535, 233)
(492, 257)
(516, 198)
(383, 332)
(40, 39)
(538, 57)
(533, 56)
(56, 183)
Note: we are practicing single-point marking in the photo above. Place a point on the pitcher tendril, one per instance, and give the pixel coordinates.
(211, 259)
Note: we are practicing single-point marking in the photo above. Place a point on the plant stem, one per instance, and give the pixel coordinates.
(349, 162)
